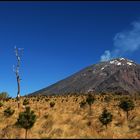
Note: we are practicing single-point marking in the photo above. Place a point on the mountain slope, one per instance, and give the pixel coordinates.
(118, 76)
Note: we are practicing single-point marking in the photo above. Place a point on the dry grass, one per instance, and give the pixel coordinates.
(67, 120)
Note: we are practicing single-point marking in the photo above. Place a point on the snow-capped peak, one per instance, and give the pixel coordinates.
(121, 61)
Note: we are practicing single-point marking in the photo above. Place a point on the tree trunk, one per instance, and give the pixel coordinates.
(26, 130)
(89, 109)
(18, 93)
(135, 96)
(17, 76)
(127, 114)
(36, 105)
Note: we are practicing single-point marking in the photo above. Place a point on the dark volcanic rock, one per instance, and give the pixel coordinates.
(117, 76)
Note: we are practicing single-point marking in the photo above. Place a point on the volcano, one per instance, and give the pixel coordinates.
(119, 76)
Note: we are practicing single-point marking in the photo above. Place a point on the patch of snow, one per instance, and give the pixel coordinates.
(103, 67)
(130, 60)
(112, 62)
(119, 63)
(90, 90)
(115, 62)
(129, 63)
(104, 74)
(122, 59)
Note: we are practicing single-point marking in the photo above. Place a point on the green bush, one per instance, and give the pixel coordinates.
(8, 112)
(52, 104)
(105, 118)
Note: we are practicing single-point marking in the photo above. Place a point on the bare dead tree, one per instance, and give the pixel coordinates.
(16, 70)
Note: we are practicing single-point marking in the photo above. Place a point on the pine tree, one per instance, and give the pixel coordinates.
(106, 117)
(126, 105)
(26, 120)
(90, 100)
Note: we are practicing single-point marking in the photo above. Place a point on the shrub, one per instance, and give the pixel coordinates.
(4, 95)
(25, 102)
(89, 70)
(126, 104)
(7, 99)
(89, 123)
(8, 112)
(1, 104)
(105, 118)
(47, 100)
(46, 116)
(82, 104)
(52, 104)
(107, 99)
(26, 119)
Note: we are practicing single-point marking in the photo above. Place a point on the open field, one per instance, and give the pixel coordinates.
(68, 120)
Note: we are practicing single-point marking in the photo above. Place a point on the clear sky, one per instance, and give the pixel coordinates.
(61, 38)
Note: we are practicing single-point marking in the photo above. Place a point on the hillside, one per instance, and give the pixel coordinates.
(118, 76)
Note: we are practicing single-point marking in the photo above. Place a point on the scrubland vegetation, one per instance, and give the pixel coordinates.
(70, 116)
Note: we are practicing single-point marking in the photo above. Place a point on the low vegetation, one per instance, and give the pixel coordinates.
(68, 116)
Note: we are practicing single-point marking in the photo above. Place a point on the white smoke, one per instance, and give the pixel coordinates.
(124, 42)
(106, 56)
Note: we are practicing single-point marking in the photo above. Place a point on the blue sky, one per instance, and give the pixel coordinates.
(61, 38)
